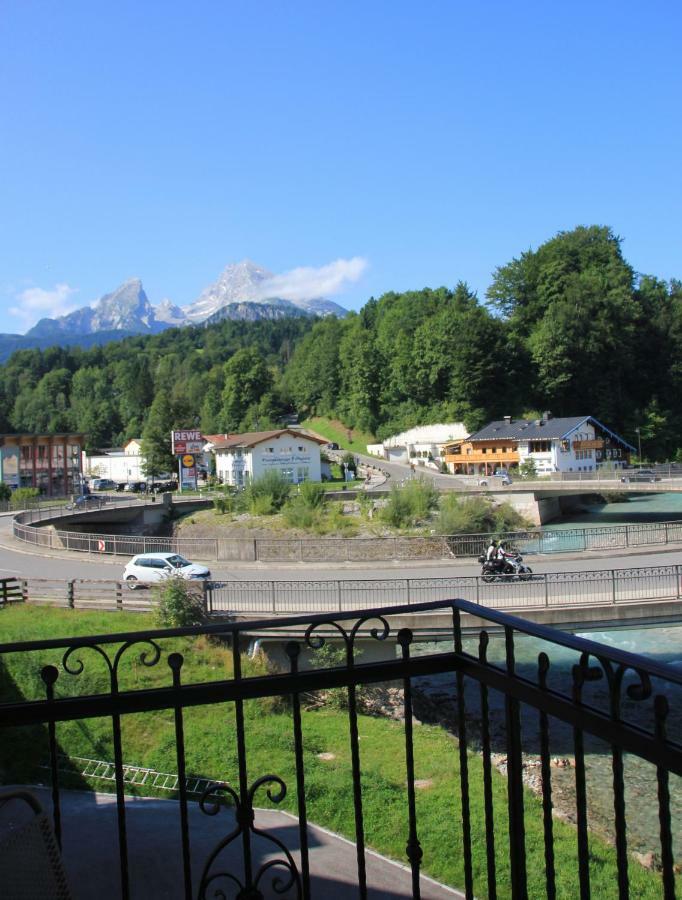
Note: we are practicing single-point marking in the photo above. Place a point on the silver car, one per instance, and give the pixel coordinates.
(148, 568)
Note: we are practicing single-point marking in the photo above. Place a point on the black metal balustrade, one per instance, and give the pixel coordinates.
(577, 689)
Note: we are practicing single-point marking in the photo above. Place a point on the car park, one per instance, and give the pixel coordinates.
(148, 568)
(641, 475)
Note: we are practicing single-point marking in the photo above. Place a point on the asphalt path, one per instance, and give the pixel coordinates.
(22, 560)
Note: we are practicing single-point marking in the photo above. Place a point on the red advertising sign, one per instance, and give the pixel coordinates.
(186, 442)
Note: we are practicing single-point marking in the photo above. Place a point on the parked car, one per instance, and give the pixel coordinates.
(103, 484)
(152, 567)
(86, 501)
(135, 486)
(641, 475)
(500, 473)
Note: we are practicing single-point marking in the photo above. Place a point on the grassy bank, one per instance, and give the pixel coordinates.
(148, 740)
(336, 432)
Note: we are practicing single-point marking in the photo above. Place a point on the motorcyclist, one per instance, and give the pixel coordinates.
(491, 552)
(503, 555)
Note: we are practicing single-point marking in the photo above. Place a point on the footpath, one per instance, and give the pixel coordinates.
(90, 851)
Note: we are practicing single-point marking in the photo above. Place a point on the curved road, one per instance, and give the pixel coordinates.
(22, 560)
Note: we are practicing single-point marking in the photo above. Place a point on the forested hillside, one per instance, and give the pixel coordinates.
(569, 327)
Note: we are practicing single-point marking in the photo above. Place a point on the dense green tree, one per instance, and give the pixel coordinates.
(571, 303)
(247, 379)
(156, 438)
(92, 408)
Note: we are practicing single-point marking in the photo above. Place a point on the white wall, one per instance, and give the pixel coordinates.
(120, 467)
(296, 457)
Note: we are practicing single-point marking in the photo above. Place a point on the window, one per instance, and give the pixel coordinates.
(301, 449)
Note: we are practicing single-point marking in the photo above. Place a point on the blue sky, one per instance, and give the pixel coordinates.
(433, 141)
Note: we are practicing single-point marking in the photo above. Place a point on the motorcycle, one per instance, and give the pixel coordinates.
(510, 569)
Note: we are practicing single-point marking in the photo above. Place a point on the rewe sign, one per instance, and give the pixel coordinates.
(186, 442)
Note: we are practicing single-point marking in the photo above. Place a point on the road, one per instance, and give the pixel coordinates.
(19, 560)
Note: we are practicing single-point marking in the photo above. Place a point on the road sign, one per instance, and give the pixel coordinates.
(101, 546)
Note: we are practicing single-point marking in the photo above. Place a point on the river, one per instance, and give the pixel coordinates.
(662, 643)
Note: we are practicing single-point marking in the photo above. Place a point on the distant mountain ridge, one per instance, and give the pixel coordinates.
(240, 292)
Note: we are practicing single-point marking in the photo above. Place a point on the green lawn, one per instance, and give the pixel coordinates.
(338, 433)
(148, 740)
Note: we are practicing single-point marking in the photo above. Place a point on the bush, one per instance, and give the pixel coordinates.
(470, 515)
(476, 515)
(311, 494)
(528, 469)
(266, 495)
(178, 604)
(298, 514)
(410, 504)
(22, 496)
(223, 505)
(5, 491)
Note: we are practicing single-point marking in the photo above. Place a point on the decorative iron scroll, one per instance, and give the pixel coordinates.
(216, 883)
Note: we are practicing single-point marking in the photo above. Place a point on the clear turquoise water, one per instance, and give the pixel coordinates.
(662, 643)
(636, 510)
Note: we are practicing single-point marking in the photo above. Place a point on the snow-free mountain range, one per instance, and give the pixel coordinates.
(241, 292)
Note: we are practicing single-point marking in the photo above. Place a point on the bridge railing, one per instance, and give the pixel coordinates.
(599, 711)
(545, 590)
(27, 527)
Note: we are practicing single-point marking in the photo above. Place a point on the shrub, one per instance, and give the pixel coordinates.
(528, 469)
(267, 494)
(476, 515)
(22, 496)
(410, 504)
(5, 491)
(223, 505)
(178, 604)
(470, 515)
(311, 494)
(298, 515)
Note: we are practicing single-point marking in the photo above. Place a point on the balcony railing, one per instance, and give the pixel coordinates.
(534, 690)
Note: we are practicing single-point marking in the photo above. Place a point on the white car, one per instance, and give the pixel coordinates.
(152, 567)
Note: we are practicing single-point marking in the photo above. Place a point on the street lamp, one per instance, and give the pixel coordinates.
(639, 445)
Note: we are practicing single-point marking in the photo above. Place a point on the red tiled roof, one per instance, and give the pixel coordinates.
(251, 438)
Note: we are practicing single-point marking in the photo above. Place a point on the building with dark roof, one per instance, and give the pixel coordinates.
(563, 444)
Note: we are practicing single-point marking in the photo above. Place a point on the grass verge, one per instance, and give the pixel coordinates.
(336, 432)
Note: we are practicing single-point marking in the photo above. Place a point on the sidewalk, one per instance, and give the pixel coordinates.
(90, 852)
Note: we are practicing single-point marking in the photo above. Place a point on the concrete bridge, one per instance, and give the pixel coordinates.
(437, 626)
(543, 501)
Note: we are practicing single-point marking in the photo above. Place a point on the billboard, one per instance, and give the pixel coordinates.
(186, 442)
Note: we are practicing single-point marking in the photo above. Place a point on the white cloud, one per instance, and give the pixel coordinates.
(37, 303)
(307, 283)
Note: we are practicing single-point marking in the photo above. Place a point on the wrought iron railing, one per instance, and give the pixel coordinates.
(543, 590)
(519, 698)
